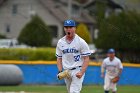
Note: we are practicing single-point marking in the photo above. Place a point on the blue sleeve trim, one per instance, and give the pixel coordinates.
(58, 56)
(86, 54)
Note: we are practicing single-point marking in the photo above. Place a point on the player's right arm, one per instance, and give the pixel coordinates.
(102, 69)
(59, 64)
(59, 57)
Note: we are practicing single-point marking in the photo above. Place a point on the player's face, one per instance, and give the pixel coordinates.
(111, 55)
(70, 31)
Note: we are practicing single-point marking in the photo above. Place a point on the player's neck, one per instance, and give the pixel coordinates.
(69, 39)
(111, 58)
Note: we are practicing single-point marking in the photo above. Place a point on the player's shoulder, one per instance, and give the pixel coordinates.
(117, 59)
(80, 39)
(61, 40)
(106, 59)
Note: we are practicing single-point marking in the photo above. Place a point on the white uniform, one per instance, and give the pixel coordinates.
(71, 54)
(112, 70)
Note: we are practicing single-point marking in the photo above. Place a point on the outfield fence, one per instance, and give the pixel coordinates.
(44, 72)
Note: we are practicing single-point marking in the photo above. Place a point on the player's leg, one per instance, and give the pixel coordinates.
(106, 84)
(113, 87)
(68, 83)
(76, 84)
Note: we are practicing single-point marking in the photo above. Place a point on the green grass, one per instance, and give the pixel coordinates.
(62, 89)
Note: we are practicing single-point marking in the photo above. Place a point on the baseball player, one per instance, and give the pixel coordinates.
(113, 67)
(73, 54)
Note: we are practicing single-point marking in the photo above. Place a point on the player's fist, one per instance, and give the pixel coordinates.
(79, 74)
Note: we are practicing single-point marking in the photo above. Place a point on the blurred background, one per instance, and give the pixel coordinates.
(30, 29)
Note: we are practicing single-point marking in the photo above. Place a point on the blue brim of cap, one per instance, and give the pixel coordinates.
(70, 25)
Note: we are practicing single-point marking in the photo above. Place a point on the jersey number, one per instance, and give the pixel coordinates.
(77, 58)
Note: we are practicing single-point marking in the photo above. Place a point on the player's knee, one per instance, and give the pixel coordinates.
(106, 87)
(114, 90)
(75, 91)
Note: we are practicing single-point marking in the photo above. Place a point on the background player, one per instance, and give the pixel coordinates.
(72, 53)
(113, 67)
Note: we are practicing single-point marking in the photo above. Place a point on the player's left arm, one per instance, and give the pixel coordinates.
(84, 67)
(85, 64)
(120, 68)
(85, 52)
(120, 72)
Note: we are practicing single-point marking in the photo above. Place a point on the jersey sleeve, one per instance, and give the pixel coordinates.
(120, 65)
(85, 51)
(58, 51)
(103, 64)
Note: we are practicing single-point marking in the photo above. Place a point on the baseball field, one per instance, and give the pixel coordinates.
(62, 89)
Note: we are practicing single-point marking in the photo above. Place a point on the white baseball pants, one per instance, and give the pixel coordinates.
(108, 84)
(74, 85)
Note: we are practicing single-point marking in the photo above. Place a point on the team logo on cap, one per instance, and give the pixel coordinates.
(68, 21)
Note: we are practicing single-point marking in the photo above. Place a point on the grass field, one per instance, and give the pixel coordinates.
(62, 89)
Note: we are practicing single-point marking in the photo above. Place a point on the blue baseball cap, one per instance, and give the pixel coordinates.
(111, 50)
(69, 23)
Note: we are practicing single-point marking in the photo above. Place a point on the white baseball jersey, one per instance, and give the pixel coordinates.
(112, 67)
(71, 52)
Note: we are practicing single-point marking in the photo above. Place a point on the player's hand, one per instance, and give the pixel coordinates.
(102, 75)
(79, 74)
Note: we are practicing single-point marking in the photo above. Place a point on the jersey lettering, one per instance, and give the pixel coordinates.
(70, 50)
